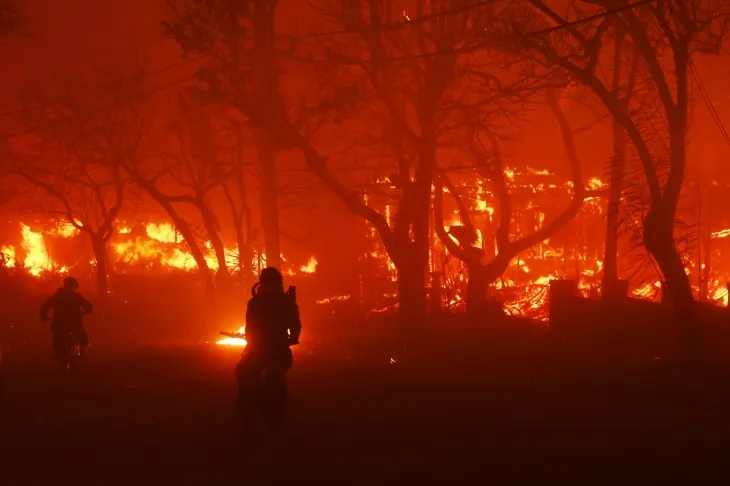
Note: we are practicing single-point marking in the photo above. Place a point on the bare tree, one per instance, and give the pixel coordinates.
(665, 34)
(623, 80)
(190, 163)
(241, 37)
(491, 168)
(236, 194)
(408, 79)
(72, 153)
(85, 194)
(413, 112)
(154, 173)
(426, 92)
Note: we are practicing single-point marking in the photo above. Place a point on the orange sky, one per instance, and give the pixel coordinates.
(79, 35)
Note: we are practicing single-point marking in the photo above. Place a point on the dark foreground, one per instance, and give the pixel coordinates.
(166, 414)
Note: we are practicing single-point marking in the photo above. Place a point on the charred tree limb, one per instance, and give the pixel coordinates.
(615, 107)
(438, 211)
(507, 249)
(318, 165)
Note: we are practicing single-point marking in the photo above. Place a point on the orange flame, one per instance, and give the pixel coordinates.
(229, 341)
(310, 267)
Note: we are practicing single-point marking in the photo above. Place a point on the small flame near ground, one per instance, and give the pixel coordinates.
(229, 341)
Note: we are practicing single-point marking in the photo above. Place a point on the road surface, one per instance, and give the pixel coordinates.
(166, 414)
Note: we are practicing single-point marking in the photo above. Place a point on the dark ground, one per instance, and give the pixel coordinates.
(165, 414)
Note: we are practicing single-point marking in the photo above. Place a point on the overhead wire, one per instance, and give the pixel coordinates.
(470, 48)
(495, 42)
(703, 92)
(383, 27)
(388, 26)
(708, 101)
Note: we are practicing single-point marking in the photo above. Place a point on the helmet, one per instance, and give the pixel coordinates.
(70, 283)
(271, 277)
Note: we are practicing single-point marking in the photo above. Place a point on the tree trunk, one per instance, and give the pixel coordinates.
(223, 276)
(659, 242)
(244, 260)
(412, 293)
(706, 273)
(187, 234)
(618, 166)
(243, 238)
(182, 227)
(476, 291)
(269, 202)
(264, 13)
(244, 254)
(102, 279)
(659, 223)
(411, 279)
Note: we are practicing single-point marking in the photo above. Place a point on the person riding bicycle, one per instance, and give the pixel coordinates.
(69, 307)
(272, 325)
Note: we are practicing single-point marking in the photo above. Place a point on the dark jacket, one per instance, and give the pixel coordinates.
(272, 321)
(68, 307)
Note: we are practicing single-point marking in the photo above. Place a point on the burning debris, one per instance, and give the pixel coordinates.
(234, 338)
(521, 290)
(158, 245)
(573, 253)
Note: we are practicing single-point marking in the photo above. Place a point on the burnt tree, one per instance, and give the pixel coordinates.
(623, 80)
(665, 34)
(73, 152)
(236, 194)
(190, 170)
(87, 196)
(461, 243)
(240, 36)
(423, 86)
(407, 81)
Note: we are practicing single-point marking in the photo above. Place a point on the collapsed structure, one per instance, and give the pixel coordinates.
(574, 253)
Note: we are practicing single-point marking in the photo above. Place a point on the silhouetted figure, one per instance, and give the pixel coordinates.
(272, 325)
(69, 308)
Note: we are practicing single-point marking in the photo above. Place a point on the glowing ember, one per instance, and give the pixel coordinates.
(230, 341)
(538, 171)
(334, 298)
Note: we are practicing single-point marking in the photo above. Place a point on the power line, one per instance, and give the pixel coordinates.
(463, 49)
(708, 101)
(494, 42)
(401, 24)
(703, 92)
